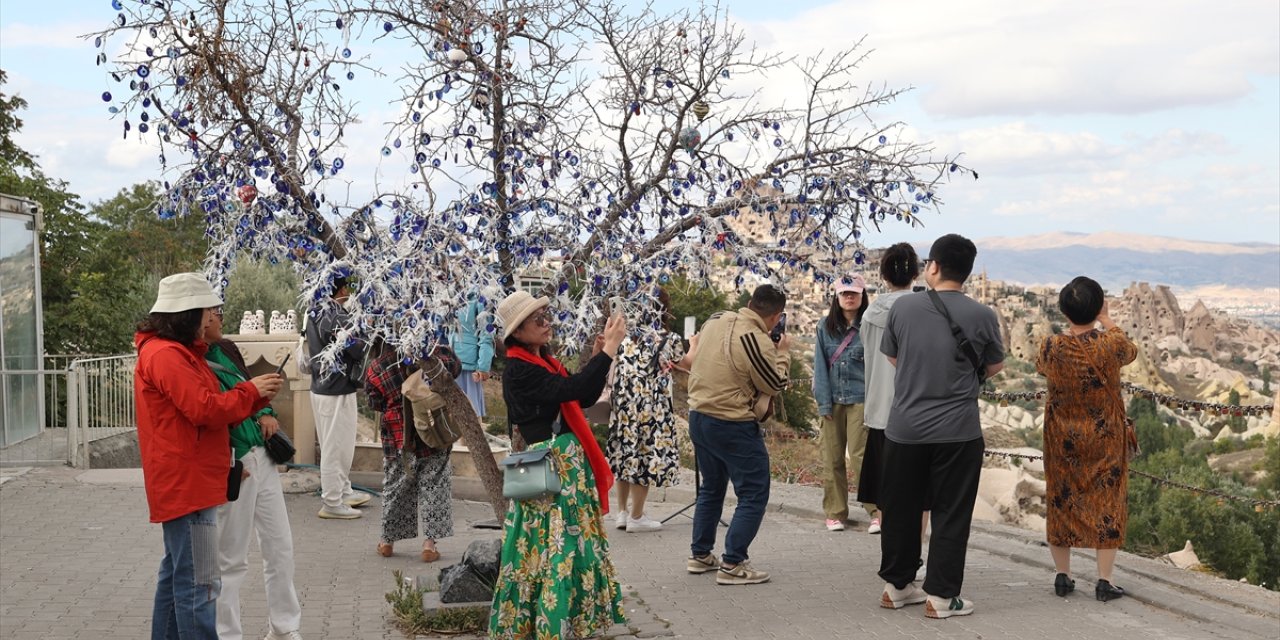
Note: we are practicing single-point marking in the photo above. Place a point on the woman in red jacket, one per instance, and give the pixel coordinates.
(183, 434)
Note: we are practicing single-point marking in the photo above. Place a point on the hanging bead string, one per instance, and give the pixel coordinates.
(1172, 402)
(1258, 504)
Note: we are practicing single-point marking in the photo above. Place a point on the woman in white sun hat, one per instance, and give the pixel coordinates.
(184, 421)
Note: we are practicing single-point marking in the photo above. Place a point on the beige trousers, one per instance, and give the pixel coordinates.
(842, 434)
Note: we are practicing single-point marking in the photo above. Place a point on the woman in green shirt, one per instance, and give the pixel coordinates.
(259, 508)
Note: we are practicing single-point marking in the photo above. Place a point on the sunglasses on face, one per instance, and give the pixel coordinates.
(217, 311)
(541, 320)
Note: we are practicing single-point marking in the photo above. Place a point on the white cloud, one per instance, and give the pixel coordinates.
(65, 35)
(1008, 57)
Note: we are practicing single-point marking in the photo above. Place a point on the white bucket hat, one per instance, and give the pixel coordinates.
(515, 308)
(183, 292)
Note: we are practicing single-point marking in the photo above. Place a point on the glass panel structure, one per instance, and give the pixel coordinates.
(21, 344)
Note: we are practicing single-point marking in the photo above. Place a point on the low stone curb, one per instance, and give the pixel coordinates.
(1200, 596)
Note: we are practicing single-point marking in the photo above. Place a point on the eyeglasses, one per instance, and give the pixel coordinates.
(925, 263)
(217, 311)
(542, 319)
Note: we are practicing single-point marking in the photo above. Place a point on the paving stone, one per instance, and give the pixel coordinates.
(79, 560)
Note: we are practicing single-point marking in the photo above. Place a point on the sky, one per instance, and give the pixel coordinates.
(1126, 116)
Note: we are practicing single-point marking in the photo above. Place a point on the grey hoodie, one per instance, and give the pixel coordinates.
(879, 372)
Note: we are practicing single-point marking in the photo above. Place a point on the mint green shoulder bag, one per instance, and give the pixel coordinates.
(531, 474)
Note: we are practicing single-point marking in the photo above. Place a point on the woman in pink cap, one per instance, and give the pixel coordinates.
(839, 390)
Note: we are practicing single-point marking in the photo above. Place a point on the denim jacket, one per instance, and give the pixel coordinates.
(842, 382)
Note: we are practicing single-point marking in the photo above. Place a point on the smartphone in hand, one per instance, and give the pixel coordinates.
(775, 334)
(616, 306)
(280, 369)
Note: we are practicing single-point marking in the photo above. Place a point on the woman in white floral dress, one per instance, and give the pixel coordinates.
(642, 448)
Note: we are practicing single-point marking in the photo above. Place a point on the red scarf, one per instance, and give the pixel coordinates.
(571, 414)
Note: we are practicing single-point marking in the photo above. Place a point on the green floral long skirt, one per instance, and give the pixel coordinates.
(556, 579)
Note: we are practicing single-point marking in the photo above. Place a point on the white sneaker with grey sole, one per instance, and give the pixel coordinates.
(357, 499)
(643, 523)
(620, 521)
(340, 512)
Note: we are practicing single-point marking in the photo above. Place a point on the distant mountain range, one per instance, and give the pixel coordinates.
(1117, 259)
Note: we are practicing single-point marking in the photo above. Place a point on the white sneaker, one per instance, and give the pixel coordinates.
(357, 499)
(643, 523)
(620, 520)
(874, 527)
(946, 607)
(292, 635)
(894, 598)
(340, 512)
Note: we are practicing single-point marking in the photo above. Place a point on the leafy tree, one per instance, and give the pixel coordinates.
(1271, 465)
(1229, 536)
(153, 246)
(66, 242)
(797, 401)
(1236, 423)
(689, 298)
(1266, 381)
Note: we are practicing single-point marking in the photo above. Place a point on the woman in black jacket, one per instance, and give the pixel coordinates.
(556, 579)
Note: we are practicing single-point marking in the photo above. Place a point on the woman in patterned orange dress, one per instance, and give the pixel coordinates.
(1085, 436)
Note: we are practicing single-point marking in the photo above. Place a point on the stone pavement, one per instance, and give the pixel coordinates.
(78, 560)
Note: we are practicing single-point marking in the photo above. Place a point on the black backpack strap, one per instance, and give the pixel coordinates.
(966, 347)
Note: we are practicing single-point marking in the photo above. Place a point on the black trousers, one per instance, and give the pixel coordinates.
(947, 474)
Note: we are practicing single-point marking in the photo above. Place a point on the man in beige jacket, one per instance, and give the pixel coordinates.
(737, 372)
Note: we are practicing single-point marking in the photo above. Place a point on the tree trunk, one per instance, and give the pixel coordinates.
(461, 413)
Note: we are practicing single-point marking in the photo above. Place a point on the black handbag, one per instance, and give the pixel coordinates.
(280, 448)
(233, 480)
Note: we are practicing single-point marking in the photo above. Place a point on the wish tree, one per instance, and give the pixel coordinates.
(603, 148)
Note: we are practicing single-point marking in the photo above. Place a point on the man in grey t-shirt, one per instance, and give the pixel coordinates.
(933, 442)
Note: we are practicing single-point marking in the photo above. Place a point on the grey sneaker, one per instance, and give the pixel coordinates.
(340, 512)
(292, 635)
(742, 573)
(947, 607)
(702, 564)
(894, 598)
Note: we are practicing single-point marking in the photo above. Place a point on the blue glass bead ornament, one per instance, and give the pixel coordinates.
(386, 151)
(346, 53)
(883, 139)
(115, 4)
(143, 71)
(106, 96)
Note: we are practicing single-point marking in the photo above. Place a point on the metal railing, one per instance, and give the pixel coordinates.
(99, 403)
(35, 412)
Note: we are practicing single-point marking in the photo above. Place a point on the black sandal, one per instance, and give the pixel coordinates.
(1062, 585)
(1105, 591)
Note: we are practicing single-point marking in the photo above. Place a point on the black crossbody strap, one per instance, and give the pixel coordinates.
(966, 347)
(653, 363)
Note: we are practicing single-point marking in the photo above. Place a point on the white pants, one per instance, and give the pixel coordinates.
(336, 431)
(260, 507)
